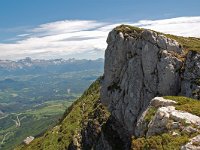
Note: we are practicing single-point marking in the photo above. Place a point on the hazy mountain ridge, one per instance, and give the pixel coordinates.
(34, 66)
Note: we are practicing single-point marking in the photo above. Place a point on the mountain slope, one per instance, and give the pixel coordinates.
(142, 67)
(73, 121)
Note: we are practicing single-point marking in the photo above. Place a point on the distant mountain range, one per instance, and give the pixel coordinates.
(38, 66)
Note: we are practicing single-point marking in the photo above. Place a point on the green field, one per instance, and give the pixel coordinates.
(32, 122)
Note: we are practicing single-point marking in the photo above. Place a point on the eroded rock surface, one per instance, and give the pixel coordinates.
(165, 118)
(190, 86)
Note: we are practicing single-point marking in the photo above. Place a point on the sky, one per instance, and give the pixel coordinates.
(48, 29)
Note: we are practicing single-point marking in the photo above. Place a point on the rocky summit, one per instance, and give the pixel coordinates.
(148, 97)
(142, 65)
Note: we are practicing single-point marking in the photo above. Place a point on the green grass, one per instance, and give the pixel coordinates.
(160, 142)
(61, 135)
(188, 43)
(186, 104)
(50, 108)
(128, 29)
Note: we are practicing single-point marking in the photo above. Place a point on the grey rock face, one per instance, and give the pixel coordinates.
(138, 68)
(191, 78)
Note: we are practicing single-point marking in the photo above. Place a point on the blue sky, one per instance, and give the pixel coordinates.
(23, 20)
(15, 13)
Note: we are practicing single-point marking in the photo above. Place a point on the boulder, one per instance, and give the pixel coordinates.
(161, 102)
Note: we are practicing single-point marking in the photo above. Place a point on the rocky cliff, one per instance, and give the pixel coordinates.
(146, 75)
(142, 64)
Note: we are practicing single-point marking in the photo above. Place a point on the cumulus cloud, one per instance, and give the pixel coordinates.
(84, 38)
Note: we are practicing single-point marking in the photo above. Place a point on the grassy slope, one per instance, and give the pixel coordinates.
(61, 135)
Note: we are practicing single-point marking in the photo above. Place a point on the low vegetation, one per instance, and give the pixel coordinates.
(165, 141)
(130, 30)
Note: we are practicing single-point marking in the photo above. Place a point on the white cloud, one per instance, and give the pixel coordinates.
(84, 39)
(183, 26)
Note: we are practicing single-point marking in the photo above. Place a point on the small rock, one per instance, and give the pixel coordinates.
(185, 116)
(28, 140)
(175, 134)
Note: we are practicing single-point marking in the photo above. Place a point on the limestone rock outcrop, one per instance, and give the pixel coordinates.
(165, 118)
(138, 67)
